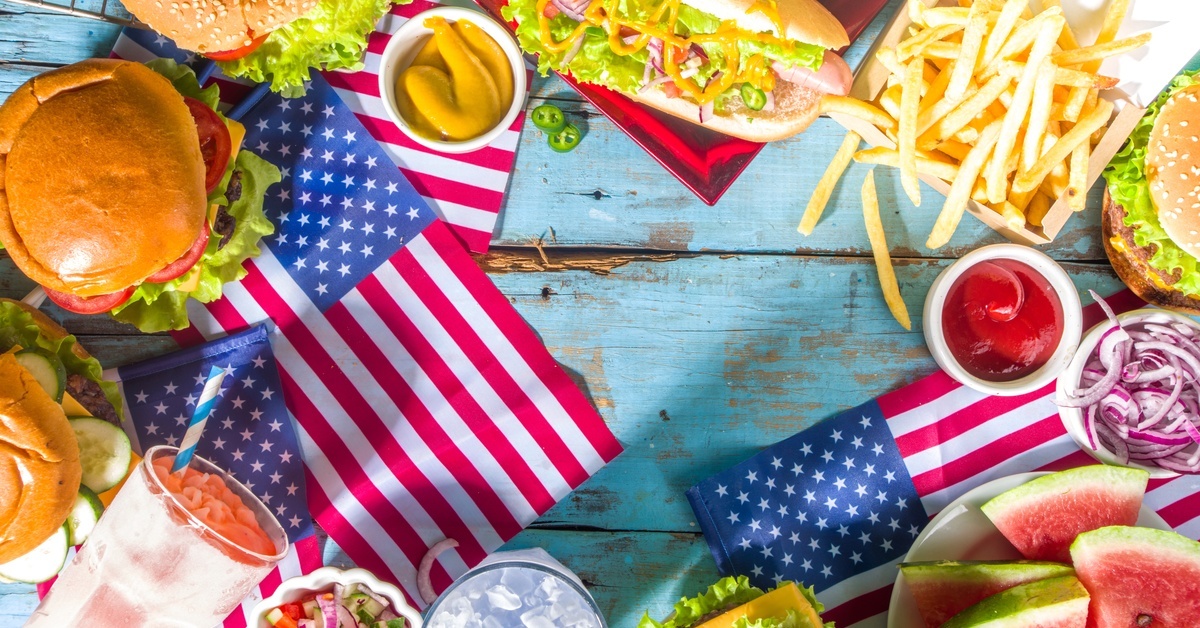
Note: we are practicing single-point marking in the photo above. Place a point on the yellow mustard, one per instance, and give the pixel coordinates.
(459, 85)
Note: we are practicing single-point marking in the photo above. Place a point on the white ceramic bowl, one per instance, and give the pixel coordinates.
(405, 44)
(935, 301)
(323, 579)
(1072, 418)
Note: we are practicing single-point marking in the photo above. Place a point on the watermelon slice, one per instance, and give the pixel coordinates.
(1139, 577)
(1041, 517)
(1060, 602)
(945, 588)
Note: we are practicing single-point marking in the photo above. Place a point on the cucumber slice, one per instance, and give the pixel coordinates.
(41, 563)
(47, 369)
(104, 452)
(84, 516)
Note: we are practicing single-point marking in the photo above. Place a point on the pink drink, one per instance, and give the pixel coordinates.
(183, 552)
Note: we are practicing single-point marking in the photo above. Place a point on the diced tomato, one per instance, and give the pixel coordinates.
(551, 11)
(283, 621)
(186, 261)
(678, 55)
(293, 610)
(215, 143)
(237, 53)
(671, 90)
(89, 305)
(627, 32)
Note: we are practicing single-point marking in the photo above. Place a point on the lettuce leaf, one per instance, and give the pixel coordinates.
(17, 327)
(597, 63)
(332, 36)
(729, 593)
(163, 306)
(1126, 177)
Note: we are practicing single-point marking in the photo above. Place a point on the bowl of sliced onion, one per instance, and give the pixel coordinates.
(1131, 394)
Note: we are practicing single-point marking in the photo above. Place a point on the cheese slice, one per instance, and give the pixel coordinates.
(774, 604)
(237, 135)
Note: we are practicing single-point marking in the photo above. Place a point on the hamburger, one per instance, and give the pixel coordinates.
(276, 41)
(1151, 219)
(124, 190)
(754, 69)
(734, 603)
(40, 470)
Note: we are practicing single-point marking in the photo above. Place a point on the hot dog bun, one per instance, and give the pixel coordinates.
(795, 109)
(803, 20)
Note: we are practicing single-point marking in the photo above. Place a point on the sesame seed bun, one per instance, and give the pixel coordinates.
(39, 462)
(1132, 263)
(216, 25)
(1173, 168)
(103, 181)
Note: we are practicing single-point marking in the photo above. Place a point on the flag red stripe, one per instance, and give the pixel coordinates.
(389, 450)
(866, 605)
(453, 191)
(386, 131)
(308, 550)
(474, 239)
(460, 399)
(916, 394)
(188, 337)
(227, 316)
(963, 420)
(523, 340)
(1074, 459)
(989, 456)
(423, 422)
(236, 619)
(270, 582)
(485, 362)
(1181, 511)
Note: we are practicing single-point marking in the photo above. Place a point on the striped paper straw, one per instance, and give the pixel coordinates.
(204, 407)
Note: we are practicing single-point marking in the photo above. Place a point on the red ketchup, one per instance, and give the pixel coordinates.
(1002, 320)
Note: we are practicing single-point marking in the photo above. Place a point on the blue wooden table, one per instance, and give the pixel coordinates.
(702, 334)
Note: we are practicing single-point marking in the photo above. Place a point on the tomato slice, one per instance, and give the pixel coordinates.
(215, 143)
(89, 305)
(237, 53)
(186, 261)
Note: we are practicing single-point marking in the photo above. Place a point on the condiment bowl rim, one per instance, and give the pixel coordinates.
(323, 579)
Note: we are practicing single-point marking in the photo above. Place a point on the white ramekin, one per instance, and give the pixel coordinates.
(1072, 418)
(405, 44)
(323, 579)
(935, 301)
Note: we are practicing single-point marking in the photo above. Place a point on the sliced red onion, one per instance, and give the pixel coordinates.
(706, 112)
(424, 585)
(689, 73)
(646, 73)
(1140, 393)
(570, 9)
(698, 50)
(629, 39)
(654, 83)
(572, 52)
(770, 104)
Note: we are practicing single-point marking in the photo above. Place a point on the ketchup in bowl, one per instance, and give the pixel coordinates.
(1002, 320)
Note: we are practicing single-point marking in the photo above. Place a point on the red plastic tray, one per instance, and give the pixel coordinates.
(705, 161)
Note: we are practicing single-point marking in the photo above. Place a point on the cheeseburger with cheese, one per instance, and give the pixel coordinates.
(734, 603)
(124, 190)
(754, 69)
(1151, 218)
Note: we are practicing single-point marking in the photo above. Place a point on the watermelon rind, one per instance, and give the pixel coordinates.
(944, 588)
(1041, 517)
(1060, 602)
(1139, 577)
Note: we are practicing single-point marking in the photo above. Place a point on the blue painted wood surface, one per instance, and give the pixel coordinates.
(702, 334)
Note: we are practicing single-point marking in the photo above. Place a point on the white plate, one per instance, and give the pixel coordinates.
(963, 532)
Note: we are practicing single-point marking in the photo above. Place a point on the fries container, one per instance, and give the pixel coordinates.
(871, 79)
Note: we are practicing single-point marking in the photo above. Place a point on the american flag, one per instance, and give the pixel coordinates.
(425, 406)
(466, 191)
(838, 505)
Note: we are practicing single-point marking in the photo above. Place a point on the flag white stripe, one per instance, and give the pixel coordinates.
(1030, 459)
(978, 437)
(502, 348)
(1172, 491)
(424, 458)
(463, 216)
(1191, 529)
(203, 320)
(861, 584)
(439, 407)
(287, 567)
(113, 375)
(943, 406)
(473, 381)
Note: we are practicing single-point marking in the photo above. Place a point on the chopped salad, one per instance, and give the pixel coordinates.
(350, 606)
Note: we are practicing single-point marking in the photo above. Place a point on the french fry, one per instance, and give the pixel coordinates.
(964, 66)
(889, 100)
(1080, 133)
(1021, 39)
(879, 249)
(935, 131)
(957, 150)
(960, 190)
(887, 57)
(914, 46)
(1108, 32)
(1009, 16)
(938, 16)
(1077, 188)
(910, 101)
(925, 165)
(1066, 39)
(829, 180)
(1099, 52)
(945, 50)
(856, 109)
(995, 174)
(916, 12)
(1013, 216)
(937, 91)
(1064, 76)
(1039, 116)
(1039, 206)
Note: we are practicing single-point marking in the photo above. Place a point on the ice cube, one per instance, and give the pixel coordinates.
(536, 619)
(503, 598)
(491, 622)
(518, 580)
(551, 588)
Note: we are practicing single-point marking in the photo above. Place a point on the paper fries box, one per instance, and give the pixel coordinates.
(1142, 75)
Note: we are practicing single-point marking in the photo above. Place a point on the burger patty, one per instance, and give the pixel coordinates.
(89, 395)
(1132, 264)
(1113, 221)
(224, 224)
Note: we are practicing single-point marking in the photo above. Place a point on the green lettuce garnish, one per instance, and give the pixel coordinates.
(332, 36)
(729, 593)
(1126, 176)
(158, 307)
(597, 63)
(18, 328)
